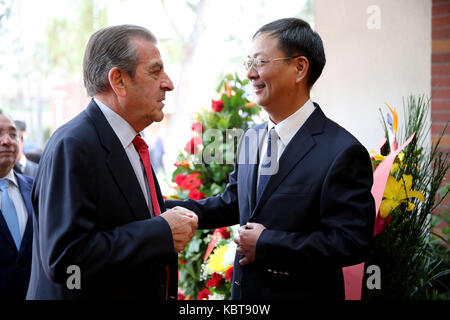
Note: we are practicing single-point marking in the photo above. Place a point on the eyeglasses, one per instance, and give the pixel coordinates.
(257, 63)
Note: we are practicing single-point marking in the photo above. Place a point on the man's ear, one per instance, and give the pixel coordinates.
(302, 65)
(116, 78)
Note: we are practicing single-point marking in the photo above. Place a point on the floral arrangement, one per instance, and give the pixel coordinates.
(201, 275)
(413, 258)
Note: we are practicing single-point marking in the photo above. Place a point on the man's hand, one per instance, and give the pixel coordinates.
(246, 240)
(183, 223)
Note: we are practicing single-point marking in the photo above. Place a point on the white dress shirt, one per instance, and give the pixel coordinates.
(286, 129)
(126, 134)
(16, 198)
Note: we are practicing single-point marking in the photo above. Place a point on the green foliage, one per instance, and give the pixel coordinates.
(414, 262)
(67, 38)
(237, 113)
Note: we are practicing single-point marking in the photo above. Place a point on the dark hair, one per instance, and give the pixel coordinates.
(108, 48)
(295, 37)
(21, 125)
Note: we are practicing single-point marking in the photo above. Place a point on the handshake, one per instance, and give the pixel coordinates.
(183, 223)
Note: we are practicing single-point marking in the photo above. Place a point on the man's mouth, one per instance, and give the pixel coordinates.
(258, 87)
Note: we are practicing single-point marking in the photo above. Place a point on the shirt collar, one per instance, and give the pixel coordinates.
(11, 177)
(287, 128)
(120, 126)
(23, 160)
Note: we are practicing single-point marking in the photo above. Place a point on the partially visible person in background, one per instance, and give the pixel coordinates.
(157, 154)
(23, 164)
(16, 228)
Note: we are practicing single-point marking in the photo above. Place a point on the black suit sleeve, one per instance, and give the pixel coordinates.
(347, 215)
(214, 212)
(65, 195)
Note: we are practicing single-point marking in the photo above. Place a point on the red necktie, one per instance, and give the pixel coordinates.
(142, 148)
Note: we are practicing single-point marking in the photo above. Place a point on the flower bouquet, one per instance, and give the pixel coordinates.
(195, 178)
(413, 260)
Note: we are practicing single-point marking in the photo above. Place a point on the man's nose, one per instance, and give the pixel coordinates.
(167, 84)
(252, 73)
(5, 139)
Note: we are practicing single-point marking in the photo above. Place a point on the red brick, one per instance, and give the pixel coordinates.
(441, 21)
(441, 9)
(438, 127)
(440, 57)
(445, 140)
(441, 93)
(440, 2)
(441, 69)
(440, 104)
(438, 82)
(441, 33)
(440, 116)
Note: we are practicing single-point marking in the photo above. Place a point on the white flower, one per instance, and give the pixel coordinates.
(228, 257)
(216, 296)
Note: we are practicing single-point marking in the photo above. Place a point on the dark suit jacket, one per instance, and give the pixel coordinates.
(15, 265)
(318, 210)
(89, 211)
(29, 170)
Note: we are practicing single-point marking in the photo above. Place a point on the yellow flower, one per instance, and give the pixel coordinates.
(398, 192)
(215, 263)
(250, 104)
(379, 157)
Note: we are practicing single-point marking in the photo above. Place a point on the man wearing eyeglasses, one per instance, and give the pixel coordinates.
(303, 199)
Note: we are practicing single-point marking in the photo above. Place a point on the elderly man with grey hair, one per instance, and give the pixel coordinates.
(101, 227)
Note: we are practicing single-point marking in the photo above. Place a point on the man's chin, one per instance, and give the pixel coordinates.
(159, 117)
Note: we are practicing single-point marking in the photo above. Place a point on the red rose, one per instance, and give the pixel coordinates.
(217, 106)
(224, 233)
(182, 261)
(192, 145)
(215, 281)
(203, 295)
(181, 296)
(229, 274)
(191, 182)
(197, 127)
(196, 195)
(179, 179)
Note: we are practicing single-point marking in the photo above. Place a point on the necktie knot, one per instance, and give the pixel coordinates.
(4, 184)
(139, 143)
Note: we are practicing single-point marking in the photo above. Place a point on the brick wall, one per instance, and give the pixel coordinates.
(440, 74)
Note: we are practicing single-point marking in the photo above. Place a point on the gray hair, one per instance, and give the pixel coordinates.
(108, 48)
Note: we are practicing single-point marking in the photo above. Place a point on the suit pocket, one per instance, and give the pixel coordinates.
(298, 189)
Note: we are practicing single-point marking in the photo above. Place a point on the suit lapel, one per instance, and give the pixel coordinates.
(25, 191)
(5, 233)
(300, 145)
(119, 164)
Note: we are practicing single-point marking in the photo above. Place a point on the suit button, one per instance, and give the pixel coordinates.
(237, 283)
(270, 270)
